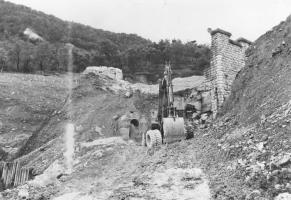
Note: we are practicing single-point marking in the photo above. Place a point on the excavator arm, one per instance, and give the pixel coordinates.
(171, 126)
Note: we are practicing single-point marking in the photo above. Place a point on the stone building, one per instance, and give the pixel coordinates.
(227, 59)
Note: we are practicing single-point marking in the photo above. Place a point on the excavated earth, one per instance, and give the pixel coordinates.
(105, 165)
(244, 154)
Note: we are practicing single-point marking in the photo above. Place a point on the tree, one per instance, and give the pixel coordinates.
(27, 57)
(3, 59)
(14, 54)
(80, 60)
(62, 58)
(110, 52)
(45, 57)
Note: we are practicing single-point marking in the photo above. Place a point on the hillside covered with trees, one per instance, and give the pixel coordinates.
(91, 47)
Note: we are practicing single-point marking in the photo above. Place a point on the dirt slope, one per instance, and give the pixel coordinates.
(134, 174)
(250, 141)
(265, 83)
(114, 169)
(26, 103)
(92, 110)
(107, 167)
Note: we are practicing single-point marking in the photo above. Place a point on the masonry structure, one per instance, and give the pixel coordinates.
(227, 59)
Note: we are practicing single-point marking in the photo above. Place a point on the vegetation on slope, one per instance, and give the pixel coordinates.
(92, 46)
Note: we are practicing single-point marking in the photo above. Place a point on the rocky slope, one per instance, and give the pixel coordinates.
(253, 132)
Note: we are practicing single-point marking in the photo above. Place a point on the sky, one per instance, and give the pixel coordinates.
(186, 20)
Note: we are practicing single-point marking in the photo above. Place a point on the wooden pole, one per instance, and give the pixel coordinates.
(16, 174)
(13, 172)
(22, 175)
(4, 173)
(7, 175)
(27, 174)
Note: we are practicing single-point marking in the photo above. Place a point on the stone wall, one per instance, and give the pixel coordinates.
(227, 59)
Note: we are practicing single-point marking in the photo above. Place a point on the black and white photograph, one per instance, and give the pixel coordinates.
(145, 100)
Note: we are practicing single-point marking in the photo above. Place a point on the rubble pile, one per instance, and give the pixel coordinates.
(111, 72)
(117, 86)
(259, 154)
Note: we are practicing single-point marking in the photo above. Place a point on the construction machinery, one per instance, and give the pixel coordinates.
(167, 127)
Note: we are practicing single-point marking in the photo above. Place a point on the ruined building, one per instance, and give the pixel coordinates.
(227, 58)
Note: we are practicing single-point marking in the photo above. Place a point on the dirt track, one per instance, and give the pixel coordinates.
(127, 171)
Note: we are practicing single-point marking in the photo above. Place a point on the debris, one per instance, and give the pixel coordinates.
(254, 194)
(115, 117)
(260, 146)
(79, 128)
(283, 196)
(284, 160)
(128, 94)
(104, 142)
(23, 192)
(98, 130)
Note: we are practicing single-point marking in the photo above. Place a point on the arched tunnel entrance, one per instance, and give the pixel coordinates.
(131, 126)
(134, 122)
(134, 129)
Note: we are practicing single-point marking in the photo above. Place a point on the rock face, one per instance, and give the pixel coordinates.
(228, 58)
(111, 72)
(195, 100)
(187, 82)
(32, 35)
(264, 84)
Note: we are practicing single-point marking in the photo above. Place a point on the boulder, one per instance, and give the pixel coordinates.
(111, 72)
(254, 194)
(32, 35)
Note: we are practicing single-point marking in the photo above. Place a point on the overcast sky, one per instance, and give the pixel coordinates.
(168, 19)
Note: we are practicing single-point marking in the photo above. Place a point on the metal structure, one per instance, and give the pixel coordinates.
(168, 127)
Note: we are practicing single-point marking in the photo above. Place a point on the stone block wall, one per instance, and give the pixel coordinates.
(227, 59)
